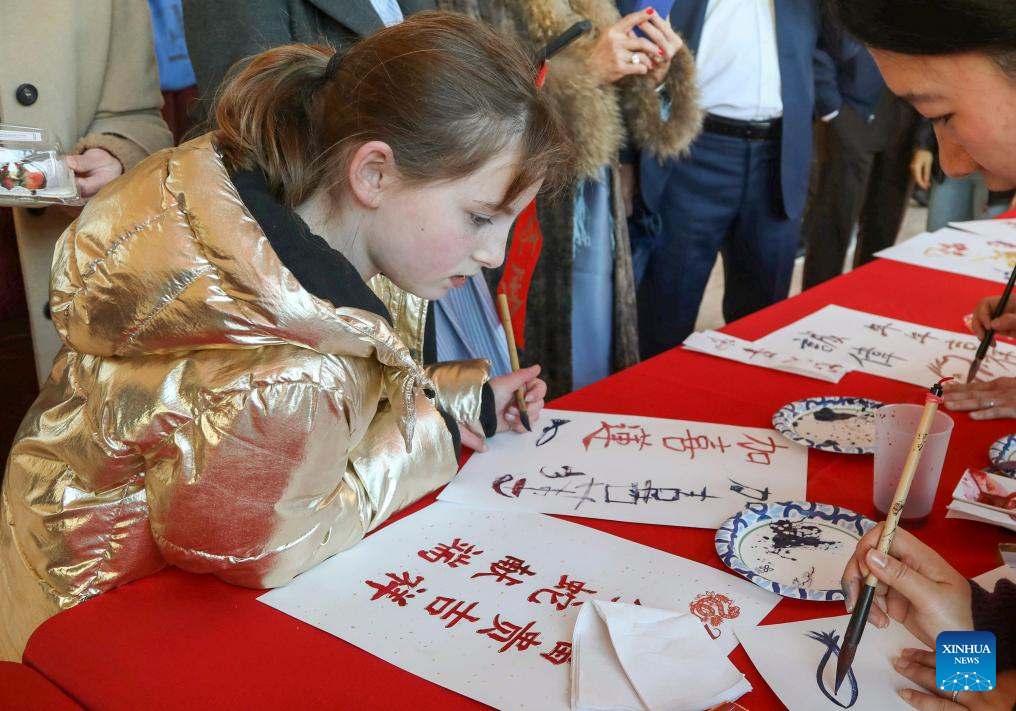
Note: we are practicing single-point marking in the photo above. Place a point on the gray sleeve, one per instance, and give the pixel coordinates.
(223, 32)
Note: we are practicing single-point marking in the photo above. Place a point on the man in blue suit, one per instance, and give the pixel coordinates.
(741, 190)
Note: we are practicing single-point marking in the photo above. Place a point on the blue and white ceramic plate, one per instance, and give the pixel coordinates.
(840, 424)
(1003, 456)
(793, 548)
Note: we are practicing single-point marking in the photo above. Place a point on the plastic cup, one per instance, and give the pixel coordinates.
(895, 426)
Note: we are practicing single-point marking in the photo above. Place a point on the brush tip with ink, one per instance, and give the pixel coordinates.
(855, 628)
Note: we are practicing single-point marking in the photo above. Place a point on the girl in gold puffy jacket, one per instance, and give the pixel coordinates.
(242, 388)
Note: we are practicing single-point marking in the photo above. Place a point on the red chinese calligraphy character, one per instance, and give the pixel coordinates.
(440, 607)
(689, 443)
(512, 635)
(944, 249)
(560, 654)
(760, 452)
(505, 568)
(621, 435)
(397, 588)
(455, 554)
(565, 588)
(713, 608)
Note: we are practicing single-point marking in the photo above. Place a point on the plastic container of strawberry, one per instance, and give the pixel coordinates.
(34, 170)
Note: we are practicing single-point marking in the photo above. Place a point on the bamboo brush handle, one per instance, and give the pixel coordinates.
(892, 519)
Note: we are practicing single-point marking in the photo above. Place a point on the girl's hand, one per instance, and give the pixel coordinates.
(504, 397)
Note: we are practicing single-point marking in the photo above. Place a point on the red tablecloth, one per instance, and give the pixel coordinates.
(177, 640)
(24, 689)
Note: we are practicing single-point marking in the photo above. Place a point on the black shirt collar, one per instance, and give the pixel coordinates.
(321, 270)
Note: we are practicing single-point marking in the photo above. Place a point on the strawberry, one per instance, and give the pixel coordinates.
(34, 180)
(6, 183)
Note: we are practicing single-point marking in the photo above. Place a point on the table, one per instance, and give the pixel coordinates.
(24, 689)
(177, 640)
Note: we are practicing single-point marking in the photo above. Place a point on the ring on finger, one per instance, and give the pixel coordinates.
(991, 403)
(954, 695)
(636, 59)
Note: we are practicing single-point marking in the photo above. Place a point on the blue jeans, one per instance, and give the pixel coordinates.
(722, 199)
(957, 200)
(592, 311)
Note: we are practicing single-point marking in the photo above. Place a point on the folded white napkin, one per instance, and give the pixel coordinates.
(634, 658)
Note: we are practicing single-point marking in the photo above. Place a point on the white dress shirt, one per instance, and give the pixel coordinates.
(389, 11)
(738, 63)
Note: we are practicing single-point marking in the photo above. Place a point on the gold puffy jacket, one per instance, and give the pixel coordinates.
(207, 411)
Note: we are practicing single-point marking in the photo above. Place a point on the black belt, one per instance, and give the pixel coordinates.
(751, 130)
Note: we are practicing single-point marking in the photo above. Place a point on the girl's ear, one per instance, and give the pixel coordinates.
(372, 173)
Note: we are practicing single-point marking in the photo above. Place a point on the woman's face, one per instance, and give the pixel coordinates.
(972, 104)
(432, 237)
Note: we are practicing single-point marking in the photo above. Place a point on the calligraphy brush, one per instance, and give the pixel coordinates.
(859, 617)
(513, 353)
(990, 334)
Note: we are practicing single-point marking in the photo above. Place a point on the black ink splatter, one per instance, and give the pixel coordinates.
(791, 535)
(804, 579)
(831, 641)
(827, 414)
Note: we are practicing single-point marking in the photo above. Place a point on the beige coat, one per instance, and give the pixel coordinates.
(93, 65)
(209, 412)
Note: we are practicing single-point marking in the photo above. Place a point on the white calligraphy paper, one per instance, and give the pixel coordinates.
(989, 580)
(894, 349)
(729, 347)
(959, 252)
(803, 673)
(994, 229)
(626, 468)
(985, 497)
(484, 603)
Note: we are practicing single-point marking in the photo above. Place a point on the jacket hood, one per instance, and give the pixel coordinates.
(169, 260)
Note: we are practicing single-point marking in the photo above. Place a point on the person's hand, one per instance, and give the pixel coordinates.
(916, 586)
(918, 665)
(983, 399)
(1004, 325)
(504, 404)
(619, 52)
(626, 174)
(504, 397)
(920, 167)
(668, 42)
(93, 170)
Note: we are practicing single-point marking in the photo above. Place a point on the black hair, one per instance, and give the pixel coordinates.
(933, 27)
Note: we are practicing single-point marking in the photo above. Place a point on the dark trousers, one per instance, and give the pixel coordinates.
(864, 179)
(723, 198)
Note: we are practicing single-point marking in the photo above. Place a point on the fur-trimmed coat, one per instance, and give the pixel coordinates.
(602, 119)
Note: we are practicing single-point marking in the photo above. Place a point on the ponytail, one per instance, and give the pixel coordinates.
(445, 92)
(264, 118)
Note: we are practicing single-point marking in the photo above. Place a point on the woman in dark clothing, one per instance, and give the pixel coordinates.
(955, 61)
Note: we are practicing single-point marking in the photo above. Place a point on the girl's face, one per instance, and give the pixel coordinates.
(432, 237)
(972, 104)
